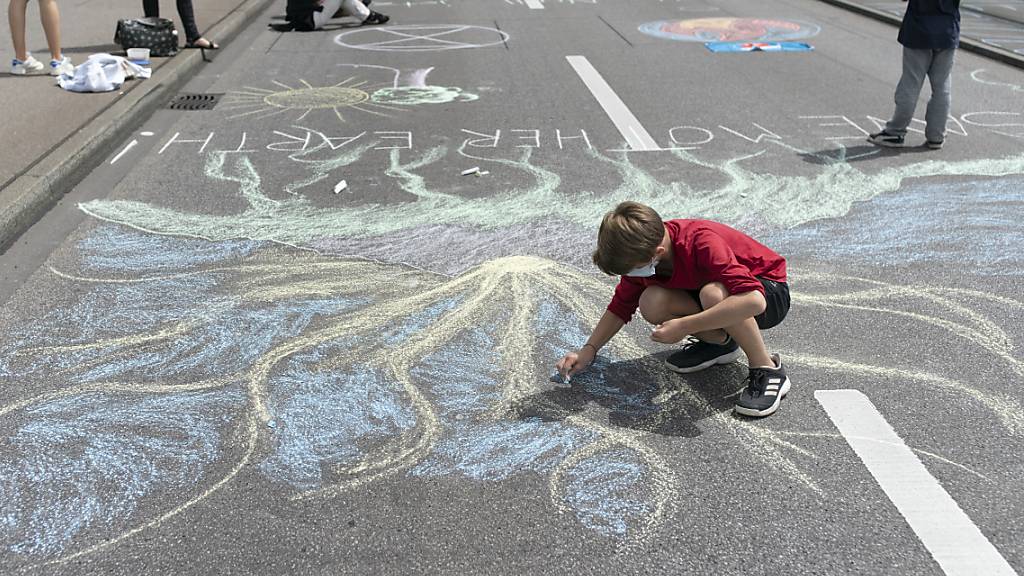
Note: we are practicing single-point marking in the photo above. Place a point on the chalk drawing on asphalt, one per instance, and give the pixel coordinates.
(422, 38)
(744, 197)
(241, 335)
(730, 30)
(359, 91)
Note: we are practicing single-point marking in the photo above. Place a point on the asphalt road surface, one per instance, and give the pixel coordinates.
(216, 358)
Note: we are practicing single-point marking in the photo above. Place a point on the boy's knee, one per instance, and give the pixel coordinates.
(654, 304)
(712, 293)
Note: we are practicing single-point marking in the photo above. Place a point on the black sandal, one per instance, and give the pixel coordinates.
(211, 45)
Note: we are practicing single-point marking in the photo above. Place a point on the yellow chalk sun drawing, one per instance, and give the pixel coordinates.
(350, 93)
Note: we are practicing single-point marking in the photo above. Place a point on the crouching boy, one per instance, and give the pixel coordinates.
(697, 279)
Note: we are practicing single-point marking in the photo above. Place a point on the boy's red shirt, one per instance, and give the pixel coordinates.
(705, 252)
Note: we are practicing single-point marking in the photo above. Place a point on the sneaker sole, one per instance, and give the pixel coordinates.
(769, 410)
(723, 359)
(932, 146)
(886, 144)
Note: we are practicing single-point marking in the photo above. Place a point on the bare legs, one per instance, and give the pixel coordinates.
(660, 304)
(50, 16)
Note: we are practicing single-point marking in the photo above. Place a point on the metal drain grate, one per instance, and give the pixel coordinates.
(187, 101)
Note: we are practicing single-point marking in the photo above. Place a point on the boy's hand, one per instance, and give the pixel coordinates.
(574, 362)
(670, 332)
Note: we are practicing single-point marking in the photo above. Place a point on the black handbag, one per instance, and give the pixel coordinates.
(157, 34)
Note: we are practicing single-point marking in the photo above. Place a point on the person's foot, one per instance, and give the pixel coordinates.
(376, 18)
(765, 389)
(697, 355)
(204, 44)
(27, 67)
(934, 144)
(61, 67)
(883, 138)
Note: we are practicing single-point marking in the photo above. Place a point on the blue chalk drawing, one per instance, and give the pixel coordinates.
(71, 466)
(972, 222)
(396, 334)
(604, 490)
(174, 315)
(114, 248)
(326, 417)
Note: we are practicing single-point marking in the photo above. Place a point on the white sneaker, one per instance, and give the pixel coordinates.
(28, 67)
(62, 66)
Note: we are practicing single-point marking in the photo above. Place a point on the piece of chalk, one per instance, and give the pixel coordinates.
(484, 173)
(472, 170)
(340, 186)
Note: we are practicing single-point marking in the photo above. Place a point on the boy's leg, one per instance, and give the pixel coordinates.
(747, 333)
(940, 77)
(16, 20)
(658, 305)
(50, 16)
(915, 66)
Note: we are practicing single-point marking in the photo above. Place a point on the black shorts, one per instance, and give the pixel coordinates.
(776, 296)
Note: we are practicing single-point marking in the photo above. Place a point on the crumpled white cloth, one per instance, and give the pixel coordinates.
(102, 73)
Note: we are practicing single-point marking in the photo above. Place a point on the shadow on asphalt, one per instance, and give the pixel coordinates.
(634, 400)
(859, 153)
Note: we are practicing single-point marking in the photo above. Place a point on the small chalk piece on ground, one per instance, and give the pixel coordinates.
(271, 424)
(340, 186)
(472, 170)
(484, 173)
(743, 195)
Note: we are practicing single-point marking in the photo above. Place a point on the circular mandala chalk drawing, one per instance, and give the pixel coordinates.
(421, 38)
(730, 30)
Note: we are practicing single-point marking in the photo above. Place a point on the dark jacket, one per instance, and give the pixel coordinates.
(933, 24)
(299, 14)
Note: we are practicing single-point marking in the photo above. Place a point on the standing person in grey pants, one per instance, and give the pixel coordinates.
(929, 34)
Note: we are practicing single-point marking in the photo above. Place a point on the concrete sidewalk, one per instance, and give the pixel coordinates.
(52, 137)
(992, 28)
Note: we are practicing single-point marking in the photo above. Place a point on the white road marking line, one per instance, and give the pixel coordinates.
(535, 4)
(630, 128)
(945, 530)
(125, 151)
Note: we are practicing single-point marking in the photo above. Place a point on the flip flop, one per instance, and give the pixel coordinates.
(212, 45)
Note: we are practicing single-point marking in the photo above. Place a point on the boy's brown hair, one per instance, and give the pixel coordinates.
(629, 234)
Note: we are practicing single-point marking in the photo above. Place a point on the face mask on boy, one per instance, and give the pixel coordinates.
(644, 271)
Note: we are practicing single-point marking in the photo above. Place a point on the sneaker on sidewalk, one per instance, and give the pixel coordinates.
(934, 144)
(376, 18)
(765, 389)
(29, 67)
(697, 355)
(62, 66)
(883, 138)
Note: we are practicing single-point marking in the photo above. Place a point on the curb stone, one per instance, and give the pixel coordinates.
(30, 196)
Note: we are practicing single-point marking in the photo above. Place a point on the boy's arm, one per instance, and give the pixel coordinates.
(608, 326)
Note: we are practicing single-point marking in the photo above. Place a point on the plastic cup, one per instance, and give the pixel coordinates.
(138, 54)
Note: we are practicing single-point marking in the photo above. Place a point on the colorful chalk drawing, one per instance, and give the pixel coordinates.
(273, 357)
(259, 326)
(730, 30)
(422, 38)
(353, 92)
(746, 199)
